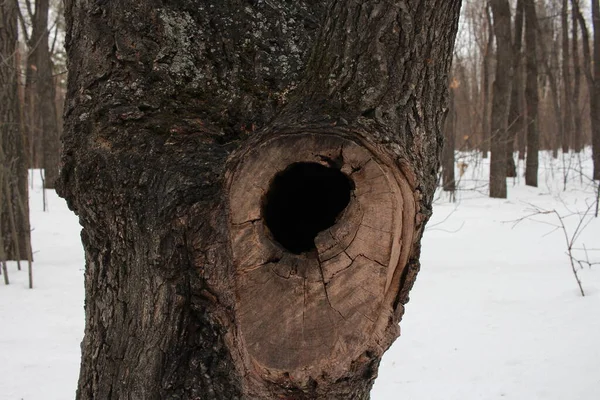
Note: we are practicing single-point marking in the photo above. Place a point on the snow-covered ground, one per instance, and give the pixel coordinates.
(495, 313)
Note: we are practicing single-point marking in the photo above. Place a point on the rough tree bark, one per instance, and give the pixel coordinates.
(501, 91)
(515, 115)
(531, 94)
(13, 167)
(193, 130)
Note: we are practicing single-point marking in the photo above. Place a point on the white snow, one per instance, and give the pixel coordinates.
(495, 313)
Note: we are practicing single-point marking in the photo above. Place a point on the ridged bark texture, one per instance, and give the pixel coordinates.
(165, 102)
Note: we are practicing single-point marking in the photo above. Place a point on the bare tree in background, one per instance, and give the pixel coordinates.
(42, 119)
(13, 166)
(488, 56)
(531, 93)
(448, 177)
(567, 115)
(515, 116)
(577, 123)
(501, 94)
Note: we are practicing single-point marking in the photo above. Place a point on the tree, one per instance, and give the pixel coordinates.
(567, 130)
(531, 94)
(487, 60)
(448, 179)
(501, 92)
(515, 116)
(197, 137)
(42, 118)
(592, 74)
(14, 208)
(577, 124)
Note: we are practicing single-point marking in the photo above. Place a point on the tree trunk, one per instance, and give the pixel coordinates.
(501, 92)
(577, 125)
(46, 97)
(595, 92)
(487, 59)
(251, 215)
(551, 63)
(590, 69)
(531, 94)
(515, 115)
(13, 166)
(567, 131)
(448, 178)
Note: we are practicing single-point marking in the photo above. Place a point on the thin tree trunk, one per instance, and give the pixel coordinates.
(577, 125)
(448, 178)
(46, 97)
(531, 94)
(515, 116)
(12, 153)
(487, 59)
(501, 92)
(551, 63)
(567, 131)
(182, 127)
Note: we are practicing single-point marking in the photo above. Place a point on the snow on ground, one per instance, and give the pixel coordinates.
(495, 313)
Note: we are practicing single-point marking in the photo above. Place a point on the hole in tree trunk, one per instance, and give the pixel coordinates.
(303, 200)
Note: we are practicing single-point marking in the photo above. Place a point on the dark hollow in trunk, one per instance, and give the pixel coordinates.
(303, 200)
(196, 136)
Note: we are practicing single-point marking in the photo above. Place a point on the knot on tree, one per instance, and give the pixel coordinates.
(321, 229)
